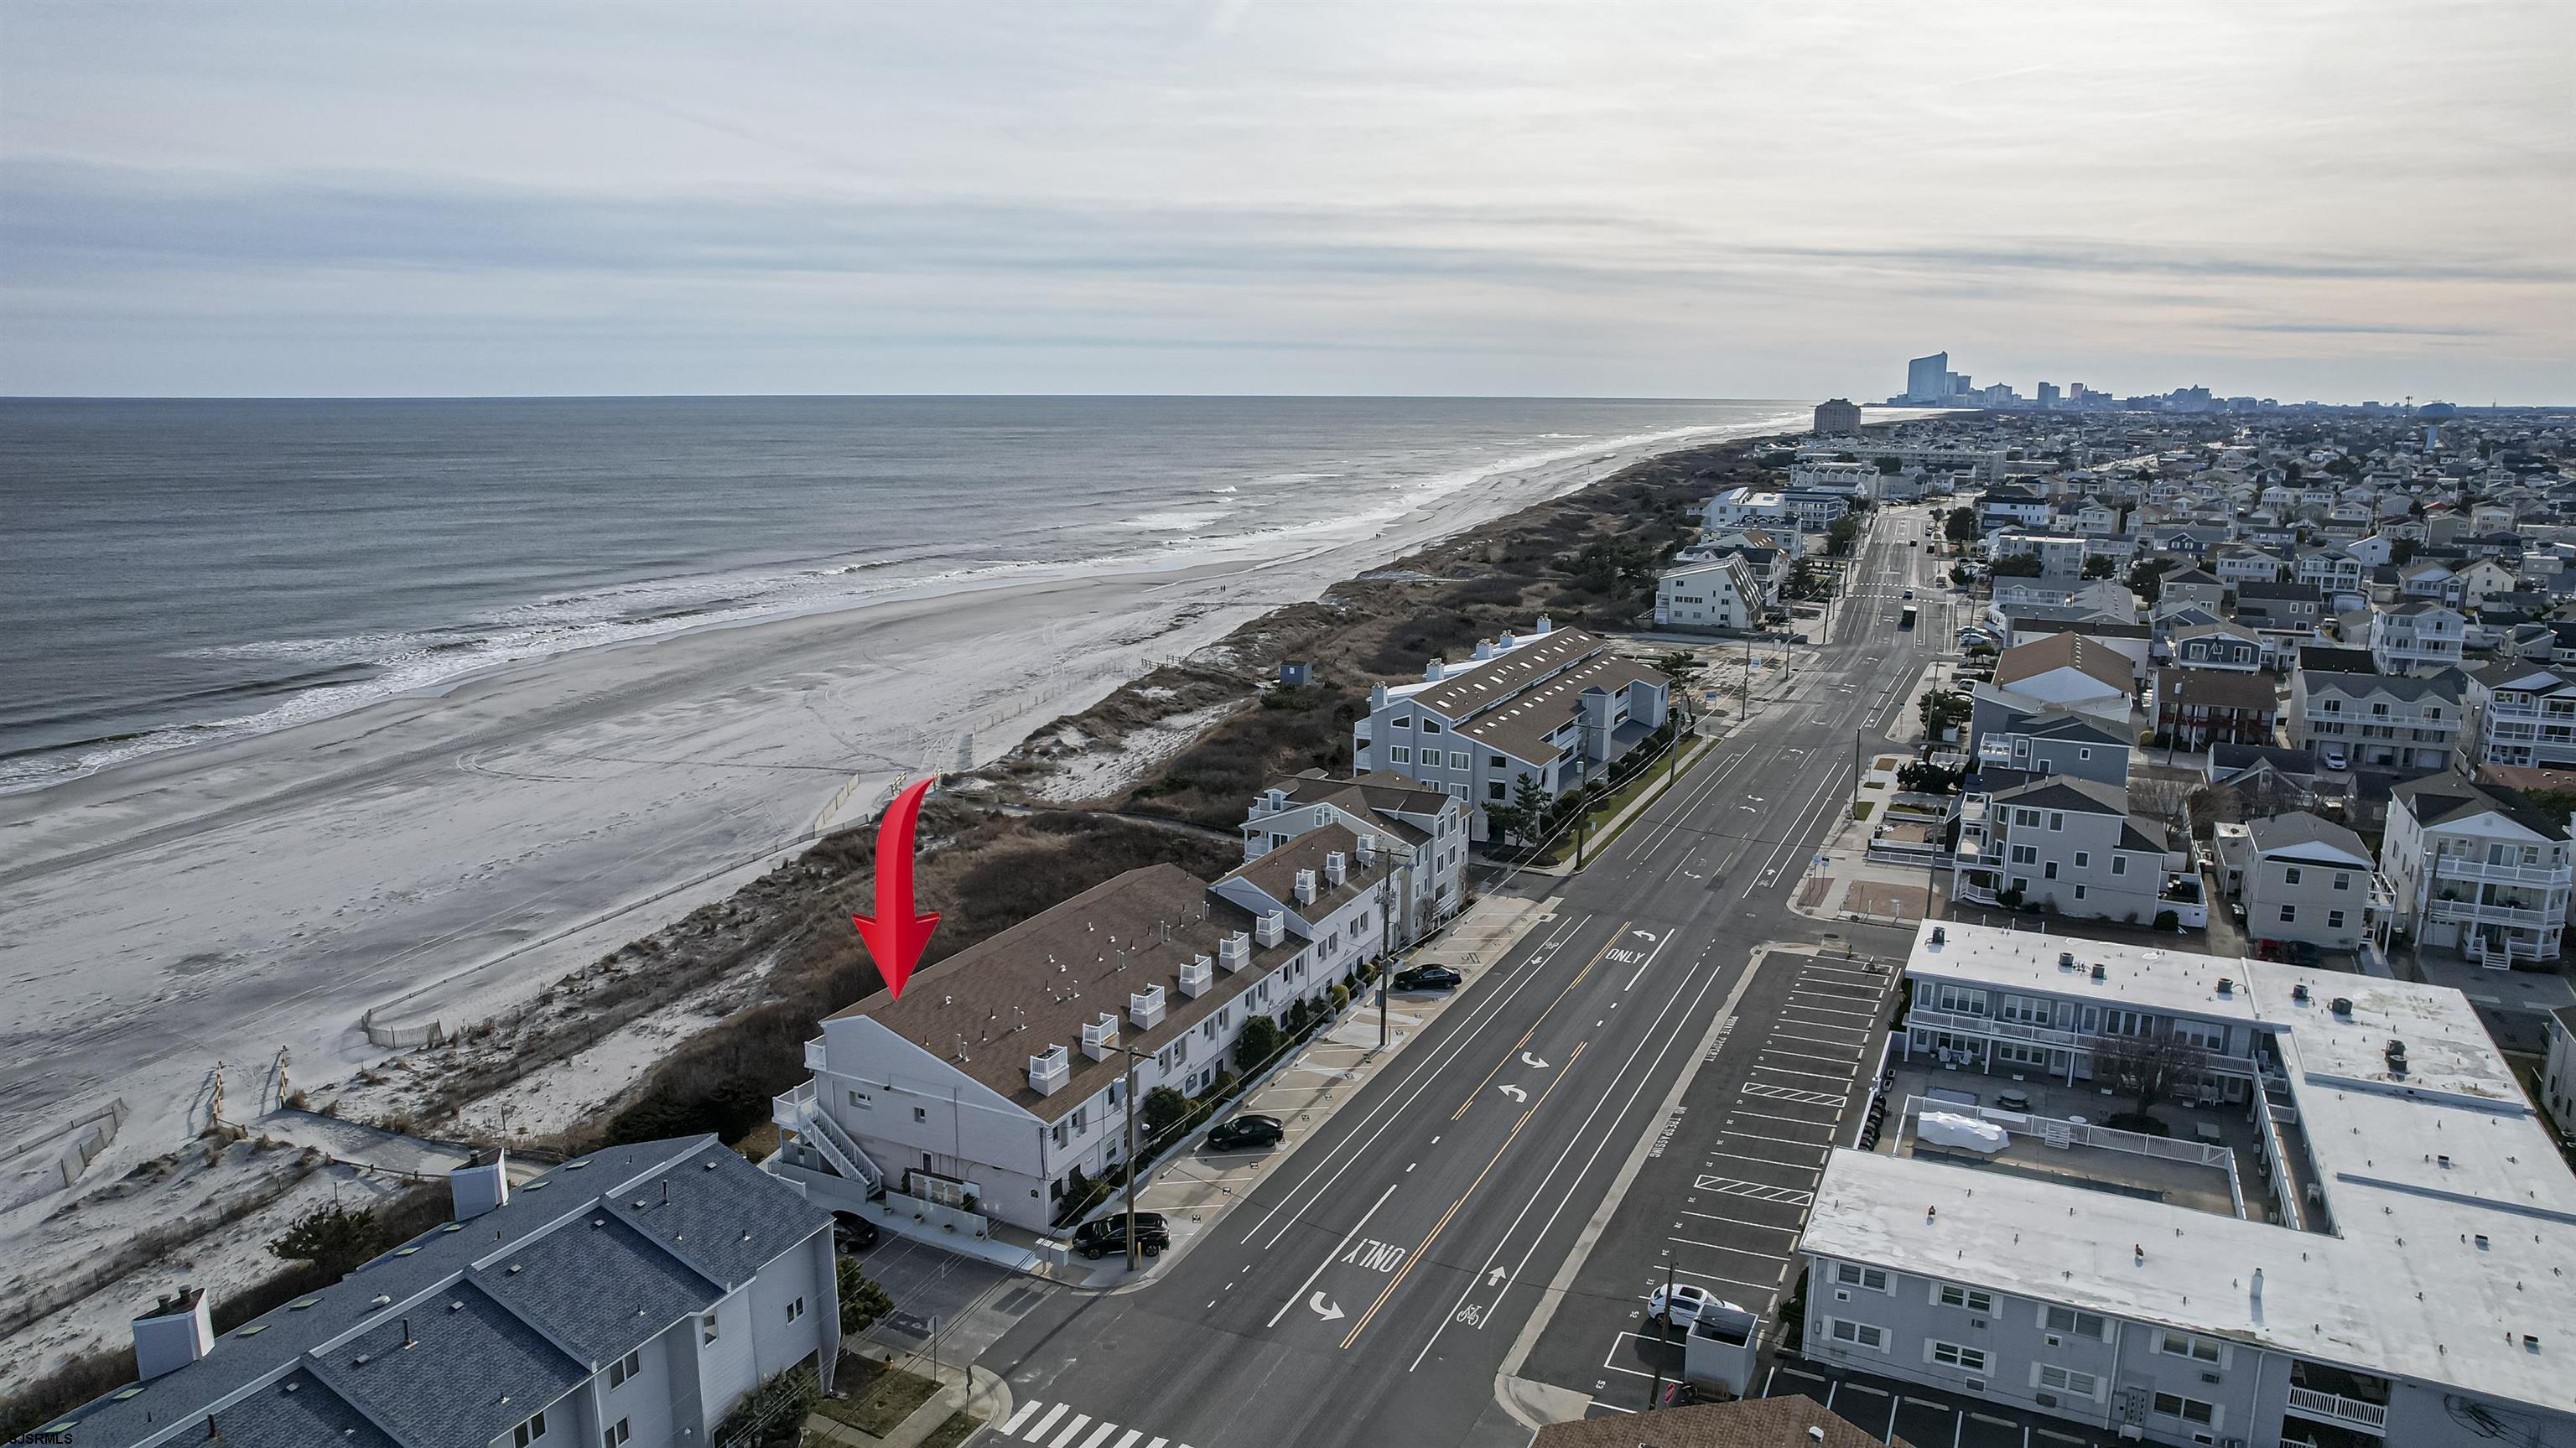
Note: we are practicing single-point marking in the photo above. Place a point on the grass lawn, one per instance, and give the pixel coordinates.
(1861, 808)
(880, 1396)
(956, 1429)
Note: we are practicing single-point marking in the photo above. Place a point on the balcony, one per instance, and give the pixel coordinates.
(1960, 1023)
(2458, 867)
(2472, 912)
(2334, 1408)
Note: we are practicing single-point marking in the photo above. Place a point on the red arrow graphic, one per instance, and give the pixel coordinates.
(896, 937)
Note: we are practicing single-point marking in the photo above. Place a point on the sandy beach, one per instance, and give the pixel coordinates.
(438, 858)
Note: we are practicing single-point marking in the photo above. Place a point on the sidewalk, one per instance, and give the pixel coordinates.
(969, 1390)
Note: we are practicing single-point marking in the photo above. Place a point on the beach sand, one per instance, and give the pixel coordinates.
(443, 857)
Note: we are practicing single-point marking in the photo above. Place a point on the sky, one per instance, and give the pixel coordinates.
(2335, 201)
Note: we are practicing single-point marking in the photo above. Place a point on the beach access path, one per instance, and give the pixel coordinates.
(443, 857)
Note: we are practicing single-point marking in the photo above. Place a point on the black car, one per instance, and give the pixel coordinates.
(1242, 1132)
(854, 1233)
(1096, 1240)
(1428, 977)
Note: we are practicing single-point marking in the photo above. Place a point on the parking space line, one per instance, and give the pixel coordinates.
(1793, 1071)
(1722, 1247)
(1808, 1056)
(1772, 1289)
(1738, 1221)
(1852, 1046)
(1834, 1125)
(1794, 1097)
(1797, 1166)
(1759, 1191)
(1783, 1140)
(1861, 1030)
(1792, 1005)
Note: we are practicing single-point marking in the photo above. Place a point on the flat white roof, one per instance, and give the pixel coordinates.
(2453, 1215)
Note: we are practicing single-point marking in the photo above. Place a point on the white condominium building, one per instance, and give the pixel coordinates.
(2417, 638)
(1723, 594)
(2357, 1232)
(1556, 708)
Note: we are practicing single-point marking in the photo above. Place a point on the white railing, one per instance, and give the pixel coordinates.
(2458, 867)
(801, 1111)
(2337, 1408)
(1964, 1024)
(2085, 1133)
(2472, 912)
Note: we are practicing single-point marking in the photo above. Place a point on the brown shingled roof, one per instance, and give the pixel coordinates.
(1521, 727)
(1473, 685)
(1035, 985)
(2065, 650)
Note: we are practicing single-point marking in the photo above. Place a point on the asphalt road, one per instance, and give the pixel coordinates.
(1371, 1288)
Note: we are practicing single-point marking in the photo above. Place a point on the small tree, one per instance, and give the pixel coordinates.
(1258, 1043)
(2017, 565)
(1943, 710)
(335, 1239)
(1529, 809)
(1960, 526)
(2402, 551)
(862, 1301)
(1165, 1108)
(2150, 1068)
(2146, 580)
(1840, 533)
(2099, 565)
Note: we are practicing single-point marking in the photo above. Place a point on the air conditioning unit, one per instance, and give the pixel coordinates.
(2209, 1377)
(2046, 1400)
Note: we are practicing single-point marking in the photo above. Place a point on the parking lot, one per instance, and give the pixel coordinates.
(1726, 1191)
(972, 1302)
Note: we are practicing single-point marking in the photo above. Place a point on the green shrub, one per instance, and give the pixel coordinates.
(2168, 920)
(1258, 1043)
(862, 1301)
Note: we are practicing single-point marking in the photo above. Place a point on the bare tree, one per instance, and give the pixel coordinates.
(2151, 1068)
(2162, 799)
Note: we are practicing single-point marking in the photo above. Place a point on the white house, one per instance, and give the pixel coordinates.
(1722, 594)
(2526, 714)
(1423, 830)
(2302, 879)
(2478, 870)
(2416, 638)
(1757, 507)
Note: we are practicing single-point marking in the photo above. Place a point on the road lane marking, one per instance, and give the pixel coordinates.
(1425, 1248)
(1300, 1294)
(1027, 1409)
(1615, 937)
(1047, 1422)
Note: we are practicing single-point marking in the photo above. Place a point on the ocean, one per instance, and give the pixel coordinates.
(178, 572)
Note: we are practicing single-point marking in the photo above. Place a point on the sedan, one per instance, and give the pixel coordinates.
(1428, 977)
(1672, 1307)
(854, 1233)
(1241, 1133)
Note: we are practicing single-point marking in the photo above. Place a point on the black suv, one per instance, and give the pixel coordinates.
(1096, 1240)
(1428, 977)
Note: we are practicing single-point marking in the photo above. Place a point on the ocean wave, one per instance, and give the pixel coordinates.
(350, 672)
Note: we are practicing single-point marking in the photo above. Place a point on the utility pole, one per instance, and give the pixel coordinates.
(1745, 704)
(1657, 1400)
(1582, 833)
(1134, 1255)
(1385, 946)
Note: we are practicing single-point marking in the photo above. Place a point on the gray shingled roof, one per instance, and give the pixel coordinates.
(2062, 792)
(432, 1395)
(2299, 829)
(601, 1289)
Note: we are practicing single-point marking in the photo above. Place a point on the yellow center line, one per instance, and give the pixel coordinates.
(1424, 1250)
(1615, 937)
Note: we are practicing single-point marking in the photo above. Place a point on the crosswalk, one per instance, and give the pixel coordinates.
(1056, 1425)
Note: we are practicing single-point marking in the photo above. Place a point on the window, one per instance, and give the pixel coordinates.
(2083, 859)
(2343, 879)
(1967, 1297)
(2184, 1345)
(2119, 864)
(1403, 721)
(707, 1328)
(2289, 913)
(921, 1113)
(614, 1435)
(2025, 854)
(2082, 1324)
(1059, 1133)
(1494, 790)
(796, 1309)
(1860, 1333)
(1457, 759)
(2056, 821)
(2049, 871)
(2334, 920)
(1399, 754)
(1952, 1355)
(2079, 892)
(2190, 1410)
(624, 1368)
(2290, 876)
(1430, 725)
(1496, 761)
(1852, 1274)
(529, 1431)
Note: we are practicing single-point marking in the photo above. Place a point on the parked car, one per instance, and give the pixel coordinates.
(1243, 1132)
(1428, 977)
(1095, 1240)
(854, 1233)
(2334, 756)
(1680, 1306)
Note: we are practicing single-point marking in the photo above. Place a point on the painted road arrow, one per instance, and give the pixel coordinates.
(897, 936)
(1329, 1311)
(1496, 1280)
(1529, 1060)
(1514, 1092)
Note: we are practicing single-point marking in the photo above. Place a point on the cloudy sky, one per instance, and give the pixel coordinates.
(1720, 200)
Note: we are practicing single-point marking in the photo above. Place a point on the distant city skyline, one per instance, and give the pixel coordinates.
(1610, 200)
